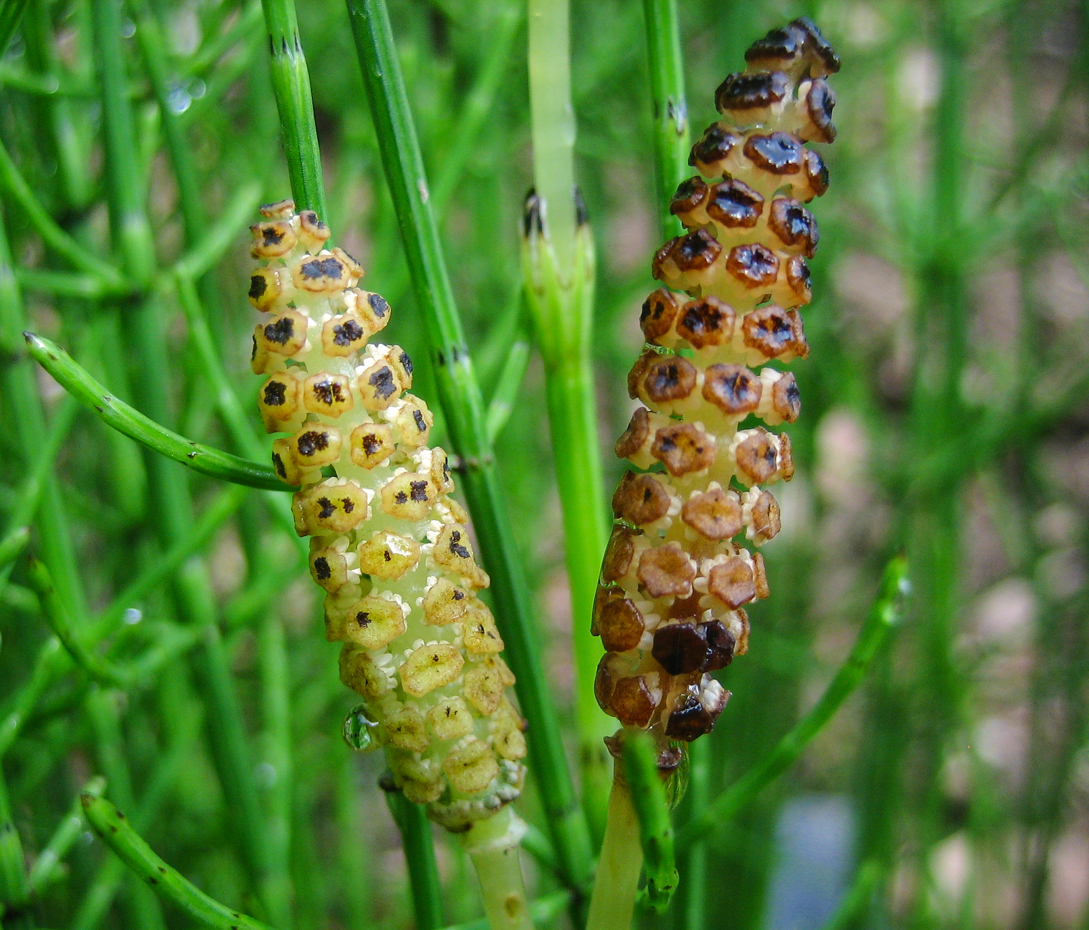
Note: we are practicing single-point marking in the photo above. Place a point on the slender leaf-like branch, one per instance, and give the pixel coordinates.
(291, 85)
(11, 12)
(135, 425)
(466, 419)
(46, 866)
(884, 615)
(56, 615)
(116, 832)
(655, 828)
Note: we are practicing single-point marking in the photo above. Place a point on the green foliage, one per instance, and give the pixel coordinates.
(944, 417)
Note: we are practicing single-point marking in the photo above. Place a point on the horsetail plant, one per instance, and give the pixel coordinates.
(674, 580)
(389, 546)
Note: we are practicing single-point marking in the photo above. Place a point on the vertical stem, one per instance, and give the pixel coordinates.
(411, 820)
(13, 878)
(670, 105)
(291, 85)
(466, 420)
(553, 128)
(613, 902)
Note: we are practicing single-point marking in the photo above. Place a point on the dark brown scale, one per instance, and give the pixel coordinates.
(742, 91)
(418, 490)
(716, 144)
(799, 278)
(371, 443)
(820, 102)
(421, 423)
(383, 382)
(617, 620)
(689, 720)
(683, 449)
(618, 554)
(657, 315)
(406, 362)
(669, 378)
(757, 457)
(690, 195)
(322, 571)
(456, 546)
(280, 331)
(772, 331)
(786, 399)
(735, 205)
(779, 152)
(328, 508)
(778, 49)
(694, 252)
(258, 286)
(732, 388)
(640, 500)
(329, 392)
(312, 442)
(318, 268)
(633, 438)
(378, 305)
(765, 517)
(720, 646)
(275, 394)
(638, 370)
(348, 332)
(706, 322)
(272, 234)
(794, 225)
(753, 265)
(680, 648)
(633, 702)
(816, 171)
(278, 465)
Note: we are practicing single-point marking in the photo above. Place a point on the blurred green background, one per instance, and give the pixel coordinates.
(945, 414)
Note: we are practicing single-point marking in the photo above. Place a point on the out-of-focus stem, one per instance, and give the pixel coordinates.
(553, 122)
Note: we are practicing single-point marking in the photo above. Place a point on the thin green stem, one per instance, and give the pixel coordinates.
(883, 616)
(47, 864)
(418, 842)
(11, 12)
(463, 405)
(14, 890)
(125, 419)
(291, 85)
(56, 615)
(670, 105)
(648, 797)
(94, 266)
(116, 832)
(553, 123)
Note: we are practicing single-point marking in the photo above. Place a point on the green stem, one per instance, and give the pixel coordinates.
(14, 890)
(883, 616)
(542, 911)
(115, 831)
(418, 842)
(56, 615)
(46, 868)
(648, 797)
(493, 845)
(463, 405)
(670, 106)
(553, 122)
(125, 419)
(561, 305)
(11, 12)
(613, 903)
(291, 85)
(20, 192)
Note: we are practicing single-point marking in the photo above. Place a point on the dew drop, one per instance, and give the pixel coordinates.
(359, 730)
